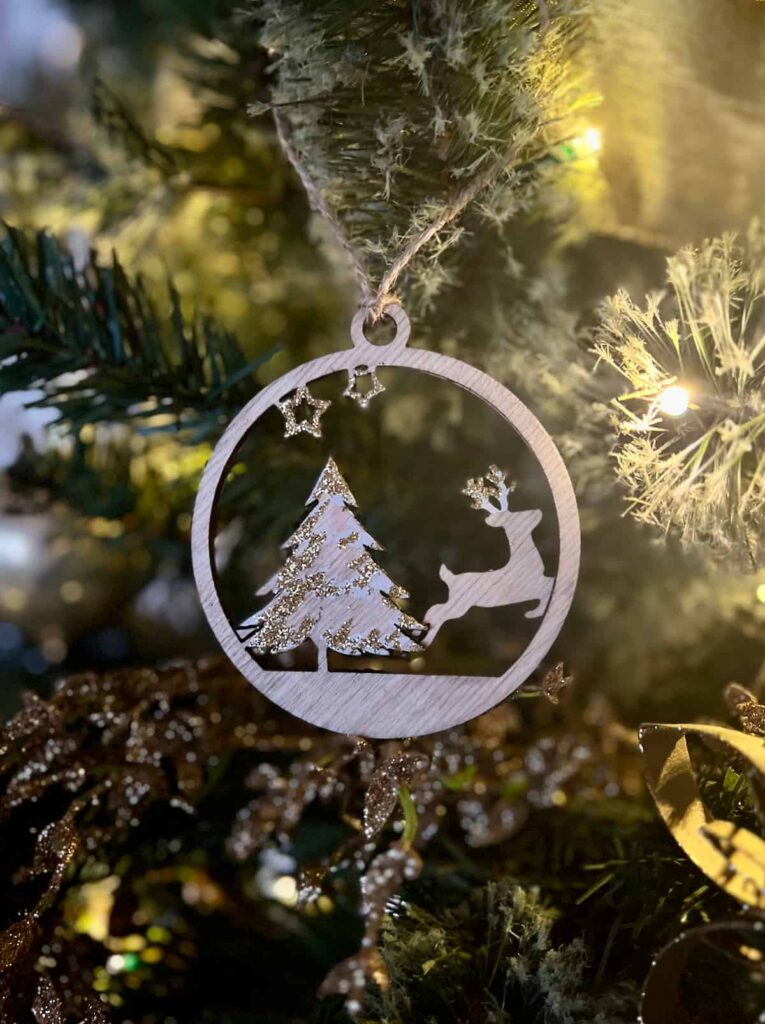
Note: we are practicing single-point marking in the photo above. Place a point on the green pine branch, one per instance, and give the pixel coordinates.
(92, 339)
(392, 108)
(221, 70)
(123, 128)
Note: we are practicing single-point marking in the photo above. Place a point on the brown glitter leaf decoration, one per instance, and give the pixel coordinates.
(381, 881)
(555, 681)
(36, 722)
(94, 1012)
(745, 706)
(551, 686)
(279, 808)
(102, 750)
(57, 845)
(310, 883)
(487, 826)
(17, 941)
(382, 792)
(284, 797)
(47, 1008)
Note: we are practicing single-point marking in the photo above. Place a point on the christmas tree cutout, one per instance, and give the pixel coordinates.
(330, 589)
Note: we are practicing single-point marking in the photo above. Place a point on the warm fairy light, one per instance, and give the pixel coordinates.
(760, 593)
(381, 978)
(585, 145)
(285, 890)
(115, 964)
(674, 401)
(592, 140)
(755, 955)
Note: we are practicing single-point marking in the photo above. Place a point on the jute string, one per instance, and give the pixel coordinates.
(377, 298)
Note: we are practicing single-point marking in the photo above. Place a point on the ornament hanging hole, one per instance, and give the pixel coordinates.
(393, 316)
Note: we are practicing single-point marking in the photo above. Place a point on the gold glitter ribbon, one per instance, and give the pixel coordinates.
(732, 857)
(665, 993)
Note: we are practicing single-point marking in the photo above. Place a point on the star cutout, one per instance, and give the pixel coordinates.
(311, 425)
(375, 387)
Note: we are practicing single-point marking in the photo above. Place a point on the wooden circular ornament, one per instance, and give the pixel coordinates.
(379, 704)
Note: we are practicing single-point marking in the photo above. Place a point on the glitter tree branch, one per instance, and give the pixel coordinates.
(330, 589)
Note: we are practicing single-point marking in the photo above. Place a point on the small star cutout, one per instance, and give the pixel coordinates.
(311, 425)
(375, 387)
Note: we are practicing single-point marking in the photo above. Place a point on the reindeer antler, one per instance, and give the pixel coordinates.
(492, 484)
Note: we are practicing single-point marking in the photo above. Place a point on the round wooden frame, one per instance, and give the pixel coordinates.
(377, 704)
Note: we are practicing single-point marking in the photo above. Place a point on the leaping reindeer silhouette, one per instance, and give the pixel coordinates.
(522, 579)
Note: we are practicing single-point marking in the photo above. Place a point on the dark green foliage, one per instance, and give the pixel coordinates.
(491, 960)
(223, 68)
(122, 127)
(93, 481)
(122, 359)
(155, 20)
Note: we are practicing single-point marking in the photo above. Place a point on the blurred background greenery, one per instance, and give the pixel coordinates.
(126, 130)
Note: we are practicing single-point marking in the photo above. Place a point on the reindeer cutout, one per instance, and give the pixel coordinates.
(522, 579)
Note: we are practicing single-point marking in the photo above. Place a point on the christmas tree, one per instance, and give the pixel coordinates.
(330, 589)
(196, 196)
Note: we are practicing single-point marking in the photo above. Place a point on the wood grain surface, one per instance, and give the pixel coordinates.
(378, 704)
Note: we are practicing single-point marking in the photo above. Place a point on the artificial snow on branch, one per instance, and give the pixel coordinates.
(690, 426)
(400, 111)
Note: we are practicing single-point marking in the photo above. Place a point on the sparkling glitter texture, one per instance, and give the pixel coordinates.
(79, 773)
(82, 770)
(372, 388)
(489, 491)
(290, 406)
(330, 589)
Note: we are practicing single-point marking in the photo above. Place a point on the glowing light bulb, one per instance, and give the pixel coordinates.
(760, 593)
(674, 401)
(285, 890)
(115, 964)
(592, 139)
(583, 147)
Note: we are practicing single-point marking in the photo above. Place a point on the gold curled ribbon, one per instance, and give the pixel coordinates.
(732, 857)
(664, 998)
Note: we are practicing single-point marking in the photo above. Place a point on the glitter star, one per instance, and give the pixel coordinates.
(375, 387)
(311, 425)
